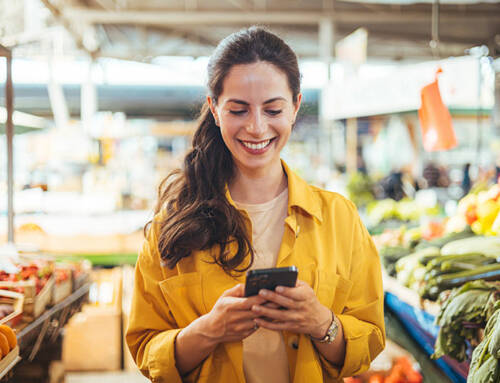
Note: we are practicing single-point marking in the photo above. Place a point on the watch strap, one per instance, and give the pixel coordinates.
(331, 333)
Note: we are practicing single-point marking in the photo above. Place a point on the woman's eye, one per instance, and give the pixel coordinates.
(237, 112)
(274, 112)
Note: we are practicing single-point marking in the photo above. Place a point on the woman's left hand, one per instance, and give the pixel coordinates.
(301, 311)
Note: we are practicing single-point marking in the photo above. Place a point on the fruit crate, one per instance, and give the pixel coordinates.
(61, 290)
(17, 301)
(34, 304)
(8, 361)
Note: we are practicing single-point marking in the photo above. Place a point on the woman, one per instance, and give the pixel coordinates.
(236, 206)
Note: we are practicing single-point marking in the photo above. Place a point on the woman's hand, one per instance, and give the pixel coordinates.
(301, 311)
(231, 319)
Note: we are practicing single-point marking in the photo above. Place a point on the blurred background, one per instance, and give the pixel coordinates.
(98, 103)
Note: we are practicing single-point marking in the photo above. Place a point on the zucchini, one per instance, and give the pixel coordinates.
(426, 259)
(434, 285)
(438, 261)
(487, 273)
(489, 246)
(447, 266)
(432, 274)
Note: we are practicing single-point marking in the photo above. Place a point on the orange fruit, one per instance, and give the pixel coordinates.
(9, 334)
(4, 344)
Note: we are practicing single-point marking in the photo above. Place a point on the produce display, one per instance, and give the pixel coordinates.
(481, 211)
(455, 263)
(406, 210)
(38, 271)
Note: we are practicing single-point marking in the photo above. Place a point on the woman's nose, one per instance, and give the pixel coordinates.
(256, 124)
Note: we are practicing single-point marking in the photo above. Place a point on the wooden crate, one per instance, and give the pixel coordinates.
(61, 290)
(15, 317)
(8, 361)
(34, 305)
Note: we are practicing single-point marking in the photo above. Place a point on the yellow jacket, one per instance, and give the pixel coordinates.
(333, 252)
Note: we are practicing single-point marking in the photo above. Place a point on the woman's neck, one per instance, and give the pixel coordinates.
(254, 188)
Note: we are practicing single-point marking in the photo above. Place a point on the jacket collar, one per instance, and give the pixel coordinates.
(300, 194)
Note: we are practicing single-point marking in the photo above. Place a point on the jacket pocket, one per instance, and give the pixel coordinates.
(333, 290)
(183, 294)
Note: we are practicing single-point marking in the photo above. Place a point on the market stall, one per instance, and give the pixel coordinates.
(445, 288)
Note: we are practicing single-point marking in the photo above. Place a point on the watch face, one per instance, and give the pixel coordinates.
(332, 332)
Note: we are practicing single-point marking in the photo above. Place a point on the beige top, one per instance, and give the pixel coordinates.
(264, 354)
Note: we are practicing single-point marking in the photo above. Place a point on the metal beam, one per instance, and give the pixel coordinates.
(59, 16)
(93, 16)
(9, 130)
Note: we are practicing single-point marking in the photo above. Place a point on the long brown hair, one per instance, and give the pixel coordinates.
(198, 214)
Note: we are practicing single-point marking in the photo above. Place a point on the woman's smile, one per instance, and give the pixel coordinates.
(257, 147)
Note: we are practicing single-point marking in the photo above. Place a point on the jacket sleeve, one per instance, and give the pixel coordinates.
(152, 329)
(363, 316)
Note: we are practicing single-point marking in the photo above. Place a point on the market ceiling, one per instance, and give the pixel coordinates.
(144, 29)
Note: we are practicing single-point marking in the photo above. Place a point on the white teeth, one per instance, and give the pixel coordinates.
(258, 146)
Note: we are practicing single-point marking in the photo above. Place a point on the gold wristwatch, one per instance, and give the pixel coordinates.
(331, 333)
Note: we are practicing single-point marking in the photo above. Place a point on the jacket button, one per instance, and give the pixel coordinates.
(293, 342)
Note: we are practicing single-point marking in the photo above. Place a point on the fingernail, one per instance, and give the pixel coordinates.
(263, 292)
(279, 289)
(255, 308)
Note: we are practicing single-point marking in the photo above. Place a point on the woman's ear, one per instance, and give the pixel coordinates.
(297, 106)
(213, 109)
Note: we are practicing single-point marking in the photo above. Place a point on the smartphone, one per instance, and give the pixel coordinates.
(270, 278)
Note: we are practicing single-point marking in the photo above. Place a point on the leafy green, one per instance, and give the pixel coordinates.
(494, 345)
(485, 365)
(487, 372)
(472, 303)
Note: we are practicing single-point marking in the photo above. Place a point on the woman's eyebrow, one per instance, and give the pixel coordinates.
(236, 101)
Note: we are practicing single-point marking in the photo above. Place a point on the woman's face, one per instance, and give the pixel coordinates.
(255, 113)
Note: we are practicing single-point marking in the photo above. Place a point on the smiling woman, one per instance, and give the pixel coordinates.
(236, 206)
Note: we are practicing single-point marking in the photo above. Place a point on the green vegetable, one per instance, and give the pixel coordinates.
(469, 265)
(440, 282)
(390, 255)
(487, 372)
(472, 303)
(489, 246)
(438, 261)
(485, 364)
(494, 343)
(407, 265)
(488, 273)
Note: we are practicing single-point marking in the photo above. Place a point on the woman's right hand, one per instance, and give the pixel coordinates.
(231, 319)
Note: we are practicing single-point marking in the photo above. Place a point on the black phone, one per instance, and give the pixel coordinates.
(269, 279)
